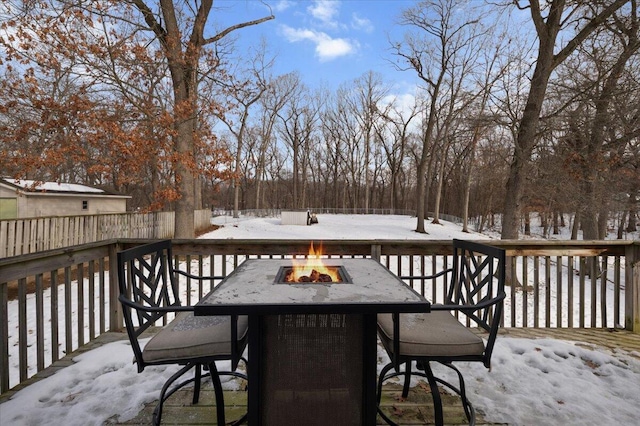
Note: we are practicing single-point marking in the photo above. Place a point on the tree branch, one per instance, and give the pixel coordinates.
(236, 27)
(591, 26)
(199, 22)
(536, 16)
(150, 19)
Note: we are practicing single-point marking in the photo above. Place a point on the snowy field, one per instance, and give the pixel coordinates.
(532, 382)
(337, 227)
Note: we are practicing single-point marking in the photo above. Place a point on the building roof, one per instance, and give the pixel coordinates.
(31, 186)
(28, 185)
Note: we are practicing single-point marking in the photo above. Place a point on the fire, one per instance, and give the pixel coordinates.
(313, 270)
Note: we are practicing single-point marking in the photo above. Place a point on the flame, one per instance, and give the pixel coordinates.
(313, 263)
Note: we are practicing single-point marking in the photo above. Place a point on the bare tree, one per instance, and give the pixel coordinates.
(350, 151)
(367, 93)
(244, 93)
(461, 93)
(492, 71)
(298, 123)
(441, 33)
(393, 134)
(334, 140)
(581, 18)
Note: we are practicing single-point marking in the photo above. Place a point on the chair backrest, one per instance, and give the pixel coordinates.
(477, 286)
(147, 287)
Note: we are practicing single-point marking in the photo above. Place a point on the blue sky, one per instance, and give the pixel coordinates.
(327, 42)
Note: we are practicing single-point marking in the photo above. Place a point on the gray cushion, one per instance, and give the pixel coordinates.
(437, 333)
(188, 336)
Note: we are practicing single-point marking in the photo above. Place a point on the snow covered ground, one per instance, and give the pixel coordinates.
(532, 382)
(337, 227)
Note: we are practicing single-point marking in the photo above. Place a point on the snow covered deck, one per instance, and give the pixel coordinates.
(416, 409)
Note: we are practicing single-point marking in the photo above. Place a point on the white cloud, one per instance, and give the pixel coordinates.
(283, 5)
(294, 34)
(363, 24)
(325, 11)
(327, 48)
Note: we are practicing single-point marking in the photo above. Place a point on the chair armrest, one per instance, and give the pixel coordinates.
(197, 277)
(481, 305)
(161, 309)
(425, 277)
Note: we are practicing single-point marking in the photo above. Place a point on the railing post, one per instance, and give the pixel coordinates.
(632, 288)
(4, 338)
(115, 308)
(376, 251)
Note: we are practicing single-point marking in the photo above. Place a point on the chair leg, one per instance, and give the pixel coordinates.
(157, 412)
(435, 394)
(424, 370)
(407, 379)
(196, 384)
(241, 376)
(382, 378)
(469, 411)
(221, 400)
(217, 387)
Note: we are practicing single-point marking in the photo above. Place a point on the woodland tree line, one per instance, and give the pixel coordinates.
(522, 106)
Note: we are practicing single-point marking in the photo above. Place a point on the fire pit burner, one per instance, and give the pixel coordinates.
(323, 274)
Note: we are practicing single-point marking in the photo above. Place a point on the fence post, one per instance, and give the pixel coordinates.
(632, 288)
(115, 308)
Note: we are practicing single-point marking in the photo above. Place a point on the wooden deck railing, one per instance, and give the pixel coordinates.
(563, 284)
(31, 235)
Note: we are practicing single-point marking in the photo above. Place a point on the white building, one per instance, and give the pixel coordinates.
(22, 199)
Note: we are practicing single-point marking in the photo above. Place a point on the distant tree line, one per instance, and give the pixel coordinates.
(520, 107)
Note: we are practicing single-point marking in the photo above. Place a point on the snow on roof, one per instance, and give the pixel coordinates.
(53, 186)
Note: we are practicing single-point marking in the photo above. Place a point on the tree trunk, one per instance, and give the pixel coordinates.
(422, 167)
(184, 220)
(576, 226)
(633, 212)
(467, 180)
(589, 208)
(197, 190)
(511, 210)
(420, 192)
(465, 204)
(236, 178)
(603, 221)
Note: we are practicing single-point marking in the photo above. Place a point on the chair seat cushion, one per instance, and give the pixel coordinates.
(434, 334)
(188, 336)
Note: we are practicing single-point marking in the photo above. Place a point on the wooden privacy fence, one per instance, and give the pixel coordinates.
(31, 235)
(552, 284)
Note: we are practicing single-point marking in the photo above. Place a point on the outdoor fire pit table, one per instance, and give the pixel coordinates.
(312, 345)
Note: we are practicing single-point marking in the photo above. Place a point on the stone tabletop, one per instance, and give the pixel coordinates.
(253, 286)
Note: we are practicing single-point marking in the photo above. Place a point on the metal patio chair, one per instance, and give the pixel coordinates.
(148, 294)
(475, 295)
